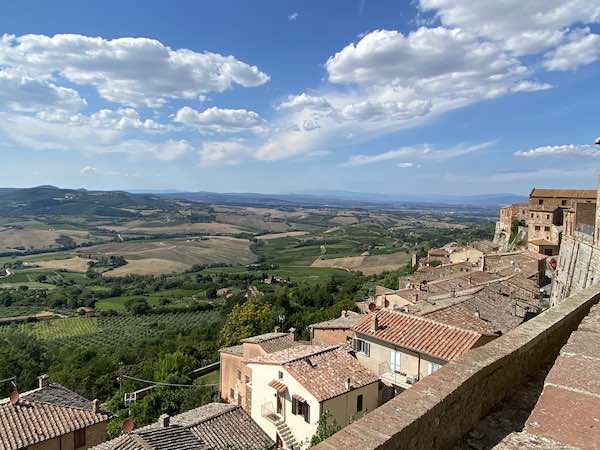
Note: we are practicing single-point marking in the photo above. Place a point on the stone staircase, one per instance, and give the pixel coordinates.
(287, 436)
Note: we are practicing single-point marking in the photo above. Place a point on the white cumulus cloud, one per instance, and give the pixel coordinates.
(581, 48)
(221, 120)
(129, 71)
(222, 152)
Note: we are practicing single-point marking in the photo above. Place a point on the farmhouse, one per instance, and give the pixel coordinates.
(51, 417)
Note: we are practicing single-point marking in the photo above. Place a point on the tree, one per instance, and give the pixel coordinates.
(137, 305)
(251, 318)
(326, 427)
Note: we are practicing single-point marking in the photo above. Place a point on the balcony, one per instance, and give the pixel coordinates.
(395, 377)
(268, 411)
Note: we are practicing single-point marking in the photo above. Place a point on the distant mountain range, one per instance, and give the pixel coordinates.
(50, 198)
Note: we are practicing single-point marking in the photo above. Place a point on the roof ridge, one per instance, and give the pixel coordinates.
(319, 352)
(426, 319)
(214, 416)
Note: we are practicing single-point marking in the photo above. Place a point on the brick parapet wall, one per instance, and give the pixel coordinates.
(442, 407)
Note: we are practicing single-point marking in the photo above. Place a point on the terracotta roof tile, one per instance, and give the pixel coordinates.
(564, 193)
(419, 334)
(29, 422)
(290, 354)
(215, 426)
(326, 373)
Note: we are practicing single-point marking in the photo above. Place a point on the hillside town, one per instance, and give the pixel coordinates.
(299, 225)
(278, 391)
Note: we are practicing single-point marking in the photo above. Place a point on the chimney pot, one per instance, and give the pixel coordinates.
(43, 381)
(95, 406)
(374, 322)
(164, 420)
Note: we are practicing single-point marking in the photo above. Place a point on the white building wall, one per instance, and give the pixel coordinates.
(262, 393)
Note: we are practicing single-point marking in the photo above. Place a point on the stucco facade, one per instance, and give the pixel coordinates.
(396, 366)
(94, 435)
(274, 420)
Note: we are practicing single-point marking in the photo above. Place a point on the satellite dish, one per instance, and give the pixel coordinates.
(14, 397)
(127, 425)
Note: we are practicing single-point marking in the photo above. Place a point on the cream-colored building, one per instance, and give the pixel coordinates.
(403, 348)
(51, 417)
(235, 376)
(294, 388)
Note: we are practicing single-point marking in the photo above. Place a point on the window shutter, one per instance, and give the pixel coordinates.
(294, 406)
(307, 413)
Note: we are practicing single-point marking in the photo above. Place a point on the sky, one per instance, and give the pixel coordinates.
(276, 96)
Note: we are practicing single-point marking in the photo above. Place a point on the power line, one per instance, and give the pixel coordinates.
(160, 383)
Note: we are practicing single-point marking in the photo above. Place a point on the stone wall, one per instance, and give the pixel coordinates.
(441, 408)
(578, 267)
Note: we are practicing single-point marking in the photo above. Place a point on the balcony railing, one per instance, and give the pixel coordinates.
(267, 410)
(395, 376)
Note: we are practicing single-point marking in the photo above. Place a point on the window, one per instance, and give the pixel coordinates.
(359, 403)
(280, 374)
(432, 367)
(395, 361)
(540, 202)
(532, 215)
(361, 346)
(537, 228)
(546, 228)
(231, 394)
(247, 379)
(547, 216)
(79, 438)
(563, 202)
(239, 375)
(301, 408)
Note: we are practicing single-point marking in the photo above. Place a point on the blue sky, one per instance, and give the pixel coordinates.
(429, 96)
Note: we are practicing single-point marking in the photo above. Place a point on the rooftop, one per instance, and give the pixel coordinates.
(44, 414)
(214, 426)
(564, 193)
(346, 320)
(291, 354)
(419, 334)
(325, 374)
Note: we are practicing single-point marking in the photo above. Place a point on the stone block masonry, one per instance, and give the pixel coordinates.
(578, 268)
(442, 407)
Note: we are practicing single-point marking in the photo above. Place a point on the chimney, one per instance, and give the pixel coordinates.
(344, 313)
(164, 420)
(477, 314)
(43, 381)
(374, 322)
(95, 406)
(276, 329)
(348, 384)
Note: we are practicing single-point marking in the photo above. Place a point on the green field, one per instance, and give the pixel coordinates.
(297, 274)
(176, 297)
(108, 331)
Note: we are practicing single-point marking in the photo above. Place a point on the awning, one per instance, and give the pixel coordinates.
(278, 386)
(298, 398)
